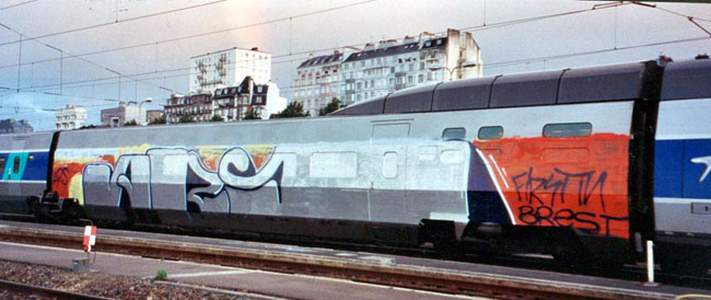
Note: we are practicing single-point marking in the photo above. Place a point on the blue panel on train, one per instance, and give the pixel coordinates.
(668, 168)
(36, 168)
(24, 166)
(697, 169)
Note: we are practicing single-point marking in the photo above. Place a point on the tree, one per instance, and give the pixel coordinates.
(158, 121)
(332, 106)
(130, 123)
(217, 118)
(251, 114)
(293, 110)
(186, 119)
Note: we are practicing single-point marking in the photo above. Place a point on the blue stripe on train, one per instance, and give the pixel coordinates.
(680, 168)
(22, 165)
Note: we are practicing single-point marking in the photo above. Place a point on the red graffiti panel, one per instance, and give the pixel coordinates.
(578, 182)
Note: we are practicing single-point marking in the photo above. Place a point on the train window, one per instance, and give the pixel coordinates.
(390, 165)
(2, 165)
(490, 132)
(567, 129)
(16, 165)
(454, 134)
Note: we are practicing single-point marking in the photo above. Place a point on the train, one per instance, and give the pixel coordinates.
(585, 164)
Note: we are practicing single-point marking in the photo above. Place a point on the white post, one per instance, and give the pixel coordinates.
(650, 264)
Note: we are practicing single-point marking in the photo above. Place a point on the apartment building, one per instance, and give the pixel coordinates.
(228, 67)
(70, 117)
(389, 65)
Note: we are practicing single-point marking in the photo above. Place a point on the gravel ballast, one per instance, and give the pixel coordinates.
(98, 284)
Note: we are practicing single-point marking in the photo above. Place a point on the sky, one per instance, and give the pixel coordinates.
(292, 29)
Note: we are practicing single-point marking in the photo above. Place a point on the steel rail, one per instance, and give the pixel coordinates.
(44, 291)
(407, 276)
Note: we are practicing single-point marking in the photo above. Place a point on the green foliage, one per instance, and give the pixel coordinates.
(160, 275)
(293, 110)
(217, 118)
(251, 114)
(131, 123)
(186, 119)
(332, 106)
(158, 121)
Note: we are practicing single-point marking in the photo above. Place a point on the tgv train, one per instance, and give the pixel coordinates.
(581, 163)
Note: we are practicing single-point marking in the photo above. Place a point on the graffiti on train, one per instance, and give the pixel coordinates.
(179, 179)
(547, 200)
(578, 182)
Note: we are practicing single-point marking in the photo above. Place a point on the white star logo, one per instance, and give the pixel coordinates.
(706, 160)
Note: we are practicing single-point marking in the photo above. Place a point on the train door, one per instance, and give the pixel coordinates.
(387, 198)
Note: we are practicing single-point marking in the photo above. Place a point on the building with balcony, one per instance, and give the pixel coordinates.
(70, 117)
(191, 108)
(382, 68)
(229, 103)
(393, 65)
(318, 80)
(228, 67)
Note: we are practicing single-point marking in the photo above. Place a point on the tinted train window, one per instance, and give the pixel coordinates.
(16, 165)
(453, 134)
(490, 132)
(2, 165)
(567, 129)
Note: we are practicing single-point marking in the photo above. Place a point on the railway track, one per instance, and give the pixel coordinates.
(415, 277)
(43, 292)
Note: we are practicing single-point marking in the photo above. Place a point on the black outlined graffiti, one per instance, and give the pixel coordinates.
(177, 179)
(558, 187)
(565, 199)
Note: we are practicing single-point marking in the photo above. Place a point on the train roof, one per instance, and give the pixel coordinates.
(582, 85)
(687, 80)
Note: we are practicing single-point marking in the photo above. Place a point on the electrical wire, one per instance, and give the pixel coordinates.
(17, 4)
(73, 30)
(62, 51)
(204, 34)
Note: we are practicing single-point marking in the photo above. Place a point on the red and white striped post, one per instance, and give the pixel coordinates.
(89, 238)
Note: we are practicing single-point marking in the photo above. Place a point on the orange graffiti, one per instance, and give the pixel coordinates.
(578, 182)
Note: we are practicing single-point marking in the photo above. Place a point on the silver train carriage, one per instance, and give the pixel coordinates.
(558, 162)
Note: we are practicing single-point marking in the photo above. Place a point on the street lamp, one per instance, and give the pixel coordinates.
(143, 113)
(451, 71)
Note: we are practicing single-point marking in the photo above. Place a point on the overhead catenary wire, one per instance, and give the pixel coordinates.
(692, 19)
(208, 33)
(490, 65)
(62, 52)
(94, 26)
(17, 4)
(474, 28)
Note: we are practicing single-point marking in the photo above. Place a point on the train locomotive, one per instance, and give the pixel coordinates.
(585, 164)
